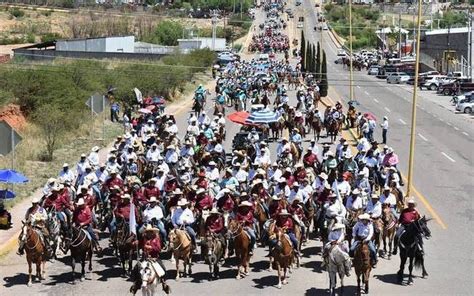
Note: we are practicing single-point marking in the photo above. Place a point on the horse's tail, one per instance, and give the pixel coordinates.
(165, 287)
(418, 258)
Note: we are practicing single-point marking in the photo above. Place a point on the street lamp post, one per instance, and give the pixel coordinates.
(413, 108)
(351, 81)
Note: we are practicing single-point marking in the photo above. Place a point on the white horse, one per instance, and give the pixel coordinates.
(339, 262)
(151, 273)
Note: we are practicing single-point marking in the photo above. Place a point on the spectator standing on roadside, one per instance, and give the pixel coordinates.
(114, 111)
(384, 127)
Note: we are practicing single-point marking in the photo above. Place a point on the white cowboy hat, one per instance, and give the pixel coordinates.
(182, 202)
(200, 190)
(323, 176)
(256, 182)
(284, 212)
(374, 196)
(51, 180)
(170, 147)
(153, 199)
(83, 155)
(329, 153)
(95, 149)
(149, 227)
(296, 184)
(177, 191)
(338, 226)
(364, 216)
(389, 150)
(274, 197)
(212, 162)
(36, 199)
(411, 201)
(356, 191)
(245, 204)
(126, 196)
(282, 180)
(299, 165)
(215, 211)
(80, 202)
(65, 165)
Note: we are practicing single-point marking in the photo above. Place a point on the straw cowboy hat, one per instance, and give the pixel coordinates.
(149, 227)
(36, 199)
(182, 202)
(80, 202)
(126, 196)
(284, 212)
(338, 226)
(364, 216)
(215, 211)
(276, 197)
(95, 149)
(411, 201)
(200, 190)
(323, 176)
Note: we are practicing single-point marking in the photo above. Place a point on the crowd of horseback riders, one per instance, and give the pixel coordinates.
(271, 36)
(159, 189)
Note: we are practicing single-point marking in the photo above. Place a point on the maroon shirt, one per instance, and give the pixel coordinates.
(82, 216)
(408, 216)
(245, 214)
(275, 208)
(285, 221)
(203, 202)
(215, 223)
(152, 247)
(150, 191)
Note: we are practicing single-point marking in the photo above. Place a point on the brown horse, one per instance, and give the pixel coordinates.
(35, 251)
(181, 246)
(124, 241)
(241, 246)
(283, 254)
(362, 265)
(317, 127)
(261, 217)
(277, 129)
(389, 222)
(295, 152)
(332, 130)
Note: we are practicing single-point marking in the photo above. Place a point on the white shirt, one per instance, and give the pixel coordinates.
(152, 155)
(336, 210)
(263, 159)
(375, 210)
(171, 156)
(193, 130)
(336, 235)
(149, 213)
(186, 151)
(94, 159)
(354, 205)
(344, 187)
(319, 184)
(363, 231)
(241, 175)
(66, 175)
(286, 191)
(384, 124)
(181, 217)
(212, 174)
(160, 182)
(391, 199)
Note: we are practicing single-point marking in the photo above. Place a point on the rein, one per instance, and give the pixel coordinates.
(72, 243)
(34, 247)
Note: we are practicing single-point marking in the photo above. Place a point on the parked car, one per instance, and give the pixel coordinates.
(325, 26)
(432, 82)
(455, 100)
(466, 105)
(398, 77)
(373, 70)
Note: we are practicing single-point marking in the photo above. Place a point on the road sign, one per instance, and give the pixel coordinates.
(7, 132)
(97, 103)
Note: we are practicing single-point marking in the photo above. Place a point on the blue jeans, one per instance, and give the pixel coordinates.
(253, 237)
(293, 239)
(191, 233)
(373, 252)
(91, 232)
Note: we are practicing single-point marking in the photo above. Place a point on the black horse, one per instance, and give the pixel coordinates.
(409, 244)
(80, 244)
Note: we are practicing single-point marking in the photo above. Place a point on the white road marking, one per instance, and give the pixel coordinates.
(376, 101)
(357, 86)
(401, 120)
(366, 93)
(448, 157)
(421, 136)
(386, 109)
(465, 134)
(441, 119)
(456, 128)
(448, 123)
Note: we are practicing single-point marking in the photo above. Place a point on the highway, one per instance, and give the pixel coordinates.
(443, 177)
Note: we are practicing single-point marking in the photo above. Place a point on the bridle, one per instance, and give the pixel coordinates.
(36, 244)
(77, 238)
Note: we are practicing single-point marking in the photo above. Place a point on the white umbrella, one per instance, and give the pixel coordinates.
(262, 116)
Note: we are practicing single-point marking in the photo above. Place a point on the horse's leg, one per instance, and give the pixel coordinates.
(390, 244)
(238, 265)
(43, 269)
(366, 281)
(30, 269)
(284, 276)
(332, 283)
(279, 275)
(189, 262)
(403, 260)
(73, 265)
(83, 268)
(424, 273)
(341, 276)
(358, 284)
(177, 268)
(410, 270)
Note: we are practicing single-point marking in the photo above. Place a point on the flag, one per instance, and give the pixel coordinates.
(133, 219)
(139, 95)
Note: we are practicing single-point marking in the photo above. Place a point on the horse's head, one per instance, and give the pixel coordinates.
(24, 231)
(147, 274)
(173, 238)
(423, 227)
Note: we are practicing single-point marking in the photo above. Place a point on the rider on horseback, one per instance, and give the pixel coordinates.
(245, 216)
(37, 216)
(82, 217)
(363, 231)
(285, 221)
(335, 237)
(407, 216)
(184, 217)
(297, 139)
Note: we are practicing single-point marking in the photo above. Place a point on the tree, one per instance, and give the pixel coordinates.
(303, 51)
(312, 61)
(318, 62)
(323, 87)
(53, 123)
(167, 33)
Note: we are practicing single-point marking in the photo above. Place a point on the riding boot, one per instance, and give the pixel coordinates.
(395, 245)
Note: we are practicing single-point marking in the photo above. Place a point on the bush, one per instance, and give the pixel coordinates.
(47, 12)
(16, 12)
(244, 23)
(167, 33)
(30, 38)
(50, 37)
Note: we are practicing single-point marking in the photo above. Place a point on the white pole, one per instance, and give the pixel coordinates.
(12, 137)
(470, 54)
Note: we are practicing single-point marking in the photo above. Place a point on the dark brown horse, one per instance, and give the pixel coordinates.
(79, 242)
(35, 251)
(242, 247)
(124, 241)
(213, 251)
(332, 129)
(317, 126)
(283, 255)
(362, 265)
(261, 217)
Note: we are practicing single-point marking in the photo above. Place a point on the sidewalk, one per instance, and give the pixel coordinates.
(9, 238)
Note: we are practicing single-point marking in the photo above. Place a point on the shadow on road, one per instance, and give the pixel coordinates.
(314, 265)
(18, 279)
(311, 251)
(266, 281)
(348, 290)
(258, 266)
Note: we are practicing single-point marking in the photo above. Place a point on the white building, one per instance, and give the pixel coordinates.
(125, 44)
(186, 45)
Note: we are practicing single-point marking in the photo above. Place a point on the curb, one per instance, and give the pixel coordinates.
(9, 245)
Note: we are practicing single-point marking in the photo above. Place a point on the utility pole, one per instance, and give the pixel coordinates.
(413, 108)
(470, 48)
(241, 10)
(214, 29)
(449, 51)
(399, 35)
(351, 81)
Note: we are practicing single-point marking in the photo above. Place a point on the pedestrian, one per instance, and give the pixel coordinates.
(384, 127)
(114, 111)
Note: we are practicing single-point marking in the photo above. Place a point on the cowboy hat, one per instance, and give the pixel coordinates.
(284, 212)
(182, 202)
(364, 216)
(36, 199)
(256, 182)
(296, 184)
(215, 211)
(51, 180)
(170, 147)
(177, 191)
(200, 190)
(374, 196)
(282, 180)
(126, 196)
(95, 149)
(386, 188)
(212, 162)
(153, 199)
(83, 155)
(80, 202)
(274, 197)
(389, 150)
(65, 165)
(329, 153)
(323, 176)
(245, 204)
(411, 201)
(356, 191)
(149, 227)
(338, 226)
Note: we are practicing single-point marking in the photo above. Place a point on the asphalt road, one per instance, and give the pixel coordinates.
(449, 253)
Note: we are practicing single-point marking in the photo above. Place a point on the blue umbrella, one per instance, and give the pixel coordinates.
(12, 176)
(262, 116)
(7, 194)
